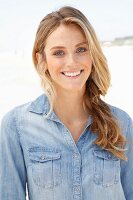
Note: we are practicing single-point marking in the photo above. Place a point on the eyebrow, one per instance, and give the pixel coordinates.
(62, 47)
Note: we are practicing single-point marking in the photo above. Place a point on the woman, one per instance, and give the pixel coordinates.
(68, 143)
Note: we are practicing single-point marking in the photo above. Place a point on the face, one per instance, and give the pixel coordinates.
(67, 58)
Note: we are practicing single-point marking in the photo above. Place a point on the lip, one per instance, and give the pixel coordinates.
(73, 77)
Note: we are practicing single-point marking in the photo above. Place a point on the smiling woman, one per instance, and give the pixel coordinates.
(68, 143)
(67, 59)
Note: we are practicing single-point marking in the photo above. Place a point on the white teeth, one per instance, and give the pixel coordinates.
(72, 73)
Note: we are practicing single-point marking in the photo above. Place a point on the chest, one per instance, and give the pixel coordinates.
(76, 130)
(54, 163)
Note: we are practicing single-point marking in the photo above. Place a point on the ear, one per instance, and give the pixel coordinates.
(38, 57)
(41, 59)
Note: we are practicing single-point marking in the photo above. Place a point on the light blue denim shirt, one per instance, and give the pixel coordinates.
(41, 153)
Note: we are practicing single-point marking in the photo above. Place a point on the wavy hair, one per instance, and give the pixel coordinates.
(104, 124)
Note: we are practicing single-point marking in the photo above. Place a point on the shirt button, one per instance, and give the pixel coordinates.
(42, 158)
(76, 155)
(77, 188)
(109, 156)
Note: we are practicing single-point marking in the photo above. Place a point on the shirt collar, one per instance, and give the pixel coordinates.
(41, 106)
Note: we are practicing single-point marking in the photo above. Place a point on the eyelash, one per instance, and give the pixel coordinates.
(83, 48)
(59, 52)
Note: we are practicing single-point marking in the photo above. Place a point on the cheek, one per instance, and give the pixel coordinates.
(85, 60)
(88, 64)
(54, 66)
(53, 61)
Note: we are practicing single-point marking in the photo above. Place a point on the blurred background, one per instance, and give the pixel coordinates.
(19, 19)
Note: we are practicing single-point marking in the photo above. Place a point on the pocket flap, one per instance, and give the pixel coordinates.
(105, 154)
(43, 156)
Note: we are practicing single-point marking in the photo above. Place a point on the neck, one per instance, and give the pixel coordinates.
(69, 107)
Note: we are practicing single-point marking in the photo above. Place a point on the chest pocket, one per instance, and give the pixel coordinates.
(106, 168)
(45, 167)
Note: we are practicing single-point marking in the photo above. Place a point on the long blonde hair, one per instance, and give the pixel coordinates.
(104, 123)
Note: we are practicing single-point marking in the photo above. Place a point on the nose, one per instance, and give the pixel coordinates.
(71, 61)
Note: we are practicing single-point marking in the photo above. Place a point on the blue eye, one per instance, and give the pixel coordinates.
(58, 53)
(81, 50)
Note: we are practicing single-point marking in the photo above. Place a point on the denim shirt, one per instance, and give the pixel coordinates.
(42, 154)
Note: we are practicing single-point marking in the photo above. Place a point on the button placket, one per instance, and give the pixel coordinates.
(76, 176)
(77, 193)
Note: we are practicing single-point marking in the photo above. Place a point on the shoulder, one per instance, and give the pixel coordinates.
(123, 118)
(20, 111)
(119, 113)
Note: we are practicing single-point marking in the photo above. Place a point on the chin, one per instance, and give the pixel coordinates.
(74, 89)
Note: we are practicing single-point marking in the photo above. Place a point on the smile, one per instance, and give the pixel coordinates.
(72, 74)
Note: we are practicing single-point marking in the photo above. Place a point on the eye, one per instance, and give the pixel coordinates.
(81, 50)
(58, 53)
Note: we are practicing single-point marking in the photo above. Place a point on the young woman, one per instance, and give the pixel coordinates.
(68, 143)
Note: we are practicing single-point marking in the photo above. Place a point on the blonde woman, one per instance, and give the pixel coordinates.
(68, 143)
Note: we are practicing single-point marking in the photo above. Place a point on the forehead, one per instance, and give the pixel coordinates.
(66, 34)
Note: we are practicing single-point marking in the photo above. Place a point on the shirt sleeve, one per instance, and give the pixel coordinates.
(127, 166)
(12, 167)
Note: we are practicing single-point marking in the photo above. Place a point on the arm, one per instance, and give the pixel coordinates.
(12, 168)
(127, 167)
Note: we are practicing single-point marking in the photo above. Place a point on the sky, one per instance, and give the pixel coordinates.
(19, 19)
